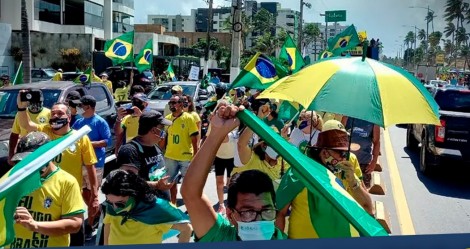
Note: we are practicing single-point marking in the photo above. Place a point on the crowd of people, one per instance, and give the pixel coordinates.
(156, 152)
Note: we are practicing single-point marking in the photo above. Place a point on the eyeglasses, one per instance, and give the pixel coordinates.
(119, 204)
(174, 102)
(342, 153)
(251, 215)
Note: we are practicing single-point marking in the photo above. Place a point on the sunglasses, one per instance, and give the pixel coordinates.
(342, 153)
(174, 102)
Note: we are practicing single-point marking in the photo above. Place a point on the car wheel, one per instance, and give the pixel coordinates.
(411, 142)
(426, 159)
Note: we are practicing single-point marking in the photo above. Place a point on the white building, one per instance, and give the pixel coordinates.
(175, 23)
(105, 19)
(287, 20)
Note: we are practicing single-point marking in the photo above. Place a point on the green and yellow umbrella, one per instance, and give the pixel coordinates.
(366, 89)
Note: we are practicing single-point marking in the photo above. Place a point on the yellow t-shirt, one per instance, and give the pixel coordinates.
(179, 143)
(108, 84)
(74, 157)
(121, 94)
(195, 117)
(59, 196)
(57, 76)
(41, 118)
(300, 225)
(134, 232)
(131, 125)
(274, 172)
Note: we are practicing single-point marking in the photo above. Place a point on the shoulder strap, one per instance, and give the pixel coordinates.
(138, 145)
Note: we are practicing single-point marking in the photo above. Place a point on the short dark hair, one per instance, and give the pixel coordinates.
(125, 183)
(249, 182)
(136, 89)
(66, 104)
(190, 101)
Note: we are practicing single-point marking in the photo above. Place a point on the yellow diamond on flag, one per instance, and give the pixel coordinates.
(146, 58)
(119, 49)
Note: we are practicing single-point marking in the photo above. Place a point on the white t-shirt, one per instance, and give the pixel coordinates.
(237, 162)
(227, 150)
(300, 139)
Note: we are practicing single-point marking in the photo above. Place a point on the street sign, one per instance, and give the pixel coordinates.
(335, 16)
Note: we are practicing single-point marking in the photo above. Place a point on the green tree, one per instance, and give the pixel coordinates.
(263, 22)
(25, 43)
(266, 44)
(311, 33)
(247, 26)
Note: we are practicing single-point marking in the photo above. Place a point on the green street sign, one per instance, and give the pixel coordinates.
(335, 16)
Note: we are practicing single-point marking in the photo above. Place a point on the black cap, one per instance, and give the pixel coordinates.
(150, 119)
(73, 95)
(88, 100)
(30, 143)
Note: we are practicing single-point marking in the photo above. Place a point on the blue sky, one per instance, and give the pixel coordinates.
(383, 19)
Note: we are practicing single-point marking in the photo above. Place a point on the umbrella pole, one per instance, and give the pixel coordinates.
(350, 137)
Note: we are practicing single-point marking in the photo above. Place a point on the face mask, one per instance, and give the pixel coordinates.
(303, 124)
(255, 230)
(35, 107)
(139, 105)
(127, 207)
(58, 123)
(80, 111)
(173, 109)
(185, 105)
(271, 153)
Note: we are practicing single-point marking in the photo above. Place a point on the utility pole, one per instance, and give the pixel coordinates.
(427, 33)
(208, 40)
(237, 28)
(299, 41)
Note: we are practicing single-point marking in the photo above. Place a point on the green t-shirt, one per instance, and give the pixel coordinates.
(224, 231)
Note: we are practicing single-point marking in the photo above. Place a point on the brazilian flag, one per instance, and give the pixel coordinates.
(144, 59)
(344, 41)
(291, 54)
(260, 73)
(326, 54)
(85, 77)
(171, 73)
(120, 49)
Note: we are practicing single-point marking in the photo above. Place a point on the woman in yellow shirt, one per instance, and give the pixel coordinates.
(260, 157)
(188, 106)
(134, 215)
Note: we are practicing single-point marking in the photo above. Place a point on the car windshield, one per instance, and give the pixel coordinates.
(8, 106)
(458, 101)
(148, 74)
(49, 72)
(164, 92)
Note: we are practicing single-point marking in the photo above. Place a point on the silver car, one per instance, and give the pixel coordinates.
(160, 96)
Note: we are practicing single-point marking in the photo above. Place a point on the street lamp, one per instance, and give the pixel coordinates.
(301, 22)
(430, 12)
(326, 31)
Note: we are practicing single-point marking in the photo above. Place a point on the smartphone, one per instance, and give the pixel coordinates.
(30, 96)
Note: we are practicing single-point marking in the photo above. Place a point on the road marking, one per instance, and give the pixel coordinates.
(403, 212)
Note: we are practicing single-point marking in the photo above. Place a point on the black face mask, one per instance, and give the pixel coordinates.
(173, 109)
(35, 107)
(139, 105)
(185, 105)
(58, 123)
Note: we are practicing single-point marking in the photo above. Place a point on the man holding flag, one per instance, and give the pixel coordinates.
(47, 216)
(307, 218)
(73, 158)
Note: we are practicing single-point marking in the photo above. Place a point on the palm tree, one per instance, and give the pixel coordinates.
(454, 11)
(25, 43)
(434, 40)
(464, 52)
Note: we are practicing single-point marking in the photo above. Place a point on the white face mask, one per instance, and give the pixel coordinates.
(80, 111)
(256, 230)
(271, 153)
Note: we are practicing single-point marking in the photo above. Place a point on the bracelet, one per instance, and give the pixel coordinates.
(21, 109)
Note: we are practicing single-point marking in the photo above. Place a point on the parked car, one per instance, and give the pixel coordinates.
(144, 79)
(160, 96)
(105, 106)
(42, 74)
(451, 139)
(70, 76)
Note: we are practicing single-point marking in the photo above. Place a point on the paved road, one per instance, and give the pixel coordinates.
(437, 204)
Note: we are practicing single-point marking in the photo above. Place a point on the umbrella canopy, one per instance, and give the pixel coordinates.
(366, 89)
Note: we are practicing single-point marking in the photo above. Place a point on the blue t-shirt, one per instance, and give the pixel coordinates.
(99, 131)
(75, 118)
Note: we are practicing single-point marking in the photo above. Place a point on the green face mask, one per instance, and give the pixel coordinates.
(127, 206)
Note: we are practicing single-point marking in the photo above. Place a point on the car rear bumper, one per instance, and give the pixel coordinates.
(453, 154)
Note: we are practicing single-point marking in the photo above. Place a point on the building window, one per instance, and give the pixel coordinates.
(94, 15)
(73, 13)
(47, 11)
(125, 23)
(127, 3)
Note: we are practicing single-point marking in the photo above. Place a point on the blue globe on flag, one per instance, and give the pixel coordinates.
(83, 78)
(265, 67)
(119, 49)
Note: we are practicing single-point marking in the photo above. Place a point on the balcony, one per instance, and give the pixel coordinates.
(122, 27)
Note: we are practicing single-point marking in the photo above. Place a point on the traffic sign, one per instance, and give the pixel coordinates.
(440, 59)
(335, 16)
